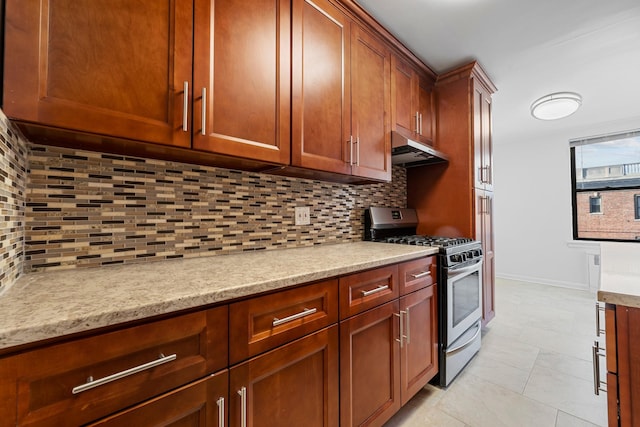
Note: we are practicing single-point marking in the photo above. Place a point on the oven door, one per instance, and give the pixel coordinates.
(464, 299)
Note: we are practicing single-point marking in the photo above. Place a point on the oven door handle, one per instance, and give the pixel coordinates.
(465, 345)
(461, 270)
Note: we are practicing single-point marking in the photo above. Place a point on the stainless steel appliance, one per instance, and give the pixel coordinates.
(459, 284)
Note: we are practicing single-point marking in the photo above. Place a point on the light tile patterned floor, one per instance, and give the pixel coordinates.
(534, 368)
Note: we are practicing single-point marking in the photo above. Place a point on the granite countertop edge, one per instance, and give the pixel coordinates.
(47, 305)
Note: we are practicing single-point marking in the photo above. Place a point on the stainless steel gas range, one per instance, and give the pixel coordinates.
(459, 284)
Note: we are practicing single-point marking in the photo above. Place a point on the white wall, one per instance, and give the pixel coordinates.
(532, 208)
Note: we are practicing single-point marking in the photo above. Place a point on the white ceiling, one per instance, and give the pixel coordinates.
(530, 48)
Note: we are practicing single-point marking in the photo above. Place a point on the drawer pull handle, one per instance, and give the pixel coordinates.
(375, 291)
(91, 383)
(303, 313)
(421, 275)
(596, 355)
(599, 330)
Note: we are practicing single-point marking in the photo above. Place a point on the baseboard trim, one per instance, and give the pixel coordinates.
(544, 281)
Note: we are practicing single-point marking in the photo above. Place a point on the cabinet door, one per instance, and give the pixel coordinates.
(321, 110)
(114, 68)
(484, 233)
(482, 142)
(426, 112)
(370, 367)
(419, 350)
(293, 385)
(242, 78)
(404, 117)
(200, 404)
(628, 352)
(370, 106)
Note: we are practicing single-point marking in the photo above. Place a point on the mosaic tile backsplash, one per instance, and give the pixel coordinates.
(13, 179)
(88, 209)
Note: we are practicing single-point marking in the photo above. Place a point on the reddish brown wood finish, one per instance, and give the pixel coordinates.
(628, 365)
(403, 116)
(611, 338)
(242, 60)
(445, 195)
(321, 105)
(426, 111)
(252, 320)
(354, 286)
(413, 110)
(370, 106)
(370, 367)
(412, 274)
(419, 353)
(296, 384)
(115, 68)
(45, 377)
(192, 405)
(484, 233)
(612, 400)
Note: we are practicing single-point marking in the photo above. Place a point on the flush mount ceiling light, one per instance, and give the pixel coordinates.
(556, 105)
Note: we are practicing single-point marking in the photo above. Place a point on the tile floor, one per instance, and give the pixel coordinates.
(534, 368)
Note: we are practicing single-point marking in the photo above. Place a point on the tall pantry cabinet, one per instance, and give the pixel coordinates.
(456, 199)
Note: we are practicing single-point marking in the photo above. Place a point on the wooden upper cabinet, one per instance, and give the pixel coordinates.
(412, 108)
(370, 106)
(242, 78)
(403, 113)
(321, 128)
(114, 68)
(482, 142)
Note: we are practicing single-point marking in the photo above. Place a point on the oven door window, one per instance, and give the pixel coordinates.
(466, 297)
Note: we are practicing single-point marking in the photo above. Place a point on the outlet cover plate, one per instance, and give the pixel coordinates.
(302, 215)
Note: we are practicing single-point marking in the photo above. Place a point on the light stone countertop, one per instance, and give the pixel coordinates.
(620, 273)
(46, 305)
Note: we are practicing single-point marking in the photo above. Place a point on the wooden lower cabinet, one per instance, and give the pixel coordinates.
(200, 404)
(419, 352)
(623, 365)
(294, 385)
(370, 367)
(387, 354)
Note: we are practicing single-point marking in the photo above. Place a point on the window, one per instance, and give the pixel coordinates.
(605, 177)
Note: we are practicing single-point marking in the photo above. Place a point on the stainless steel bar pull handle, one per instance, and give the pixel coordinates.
(91, 383)
(243, 406)
(204, 111)
(220, 403)
(305, 312)
(185, 108)
(597, 382)
(351, 150)
(599, 330)
(417, 122)
(407, 325)
(421, 125)
(375, 291)
(421, 275)
(401, 335)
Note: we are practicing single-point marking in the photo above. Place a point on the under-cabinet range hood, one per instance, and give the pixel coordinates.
(409, 153)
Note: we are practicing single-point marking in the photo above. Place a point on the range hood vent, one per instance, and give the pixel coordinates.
(409, 153)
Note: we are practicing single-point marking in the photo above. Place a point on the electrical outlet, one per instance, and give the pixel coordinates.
(303, 217)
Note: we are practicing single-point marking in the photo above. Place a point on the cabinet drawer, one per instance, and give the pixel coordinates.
(262, 323)
(196, 404)
(79, 381)
(417, 274)
(368, 289)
